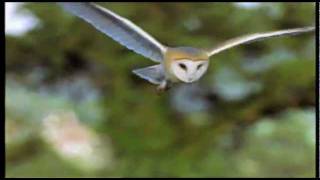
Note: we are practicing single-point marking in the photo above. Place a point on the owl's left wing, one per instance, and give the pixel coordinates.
(256, 37)
(118, 28)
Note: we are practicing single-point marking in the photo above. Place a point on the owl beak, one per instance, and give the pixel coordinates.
(190, 79)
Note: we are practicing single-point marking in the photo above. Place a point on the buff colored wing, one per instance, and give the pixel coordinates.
(118, 28)
(257, 37)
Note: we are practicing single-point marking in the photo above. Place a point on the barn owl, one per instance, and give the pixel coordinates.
(174, 64)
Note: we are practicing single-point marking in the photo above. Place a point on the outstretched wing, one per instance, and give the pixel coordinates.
(256, 37)
(118, 28)
(154, 74)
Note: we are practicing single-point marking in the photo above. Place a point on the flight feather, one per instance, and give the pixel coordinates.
(118, 28)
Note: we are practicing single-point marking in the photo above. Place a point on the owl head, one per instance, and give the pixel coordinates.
(188, 64)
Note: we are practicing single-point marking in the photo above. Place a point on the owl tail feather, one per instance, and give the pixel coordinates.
(154, 74)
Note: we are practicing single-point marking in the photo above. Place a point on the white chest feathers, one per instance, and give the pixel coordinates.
(189, 71)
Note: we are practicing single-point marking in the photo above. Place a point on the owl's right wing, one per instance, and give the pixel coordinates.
(118, 28)
(256, 37)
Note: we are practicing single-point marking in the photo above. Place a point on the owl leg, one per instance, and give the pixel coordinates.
(164, 86)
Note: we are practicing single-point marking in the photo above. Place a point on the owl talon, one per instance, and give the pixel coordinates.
(164, 86)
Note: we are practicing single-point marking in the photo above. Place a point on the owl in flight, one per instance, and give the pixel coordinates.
(175, 64)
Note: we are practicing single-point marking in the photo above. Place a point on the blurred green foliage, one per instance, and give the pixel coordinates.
(251, 115)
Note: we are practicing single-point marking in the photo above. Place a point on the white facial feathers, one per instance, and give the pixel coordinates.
(189, 71)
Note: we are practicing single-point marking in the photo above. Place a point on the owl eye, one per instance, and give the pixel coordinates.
(183, 66)
(199, 66)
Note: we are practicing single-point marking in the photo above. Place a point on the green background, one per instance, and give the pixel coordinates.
(251, 115)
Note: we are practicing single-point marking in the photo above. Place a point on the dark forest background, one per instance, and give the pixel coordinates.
(74, 108)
